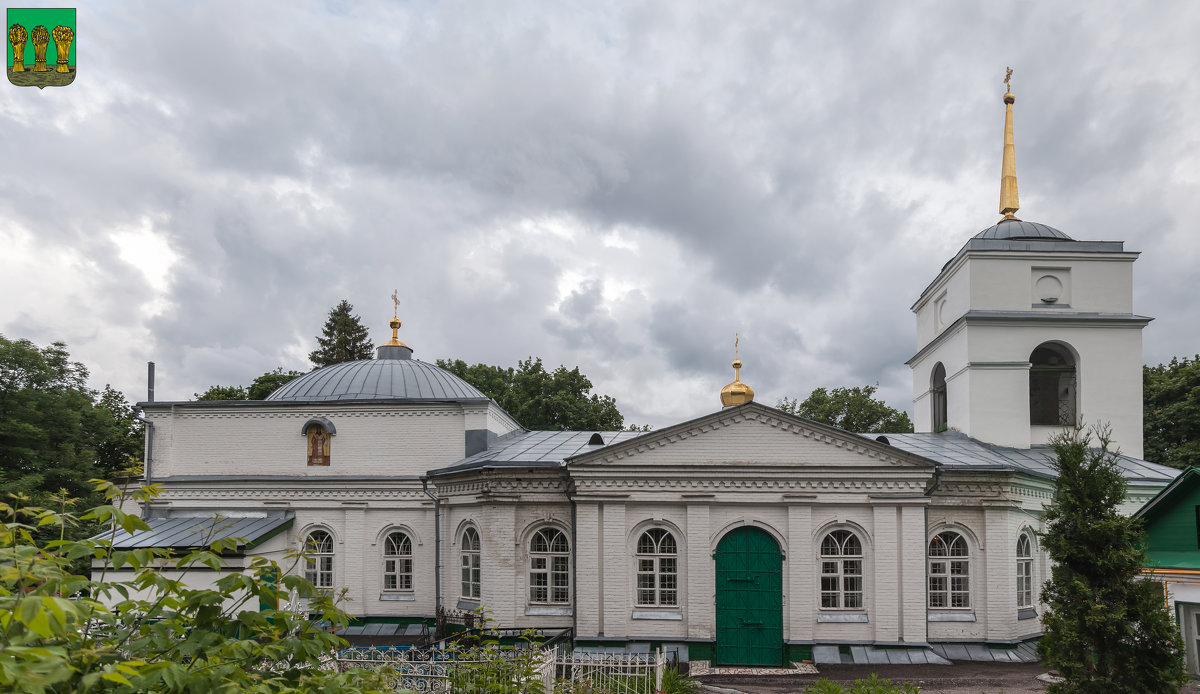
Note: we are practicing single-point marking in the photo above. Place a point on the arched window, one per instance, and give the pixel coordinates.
(937, 391)
(657, 569)
(949, 571)
(318, 559)
(841, 570)
(469, 548)
(549, 568)
(1052, 385)
(397, 562)
(1024, 571)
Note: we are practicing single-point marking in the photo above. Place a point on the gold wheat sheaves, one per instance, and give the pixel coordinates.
(63, 36)
(40, 38)
(16, 37)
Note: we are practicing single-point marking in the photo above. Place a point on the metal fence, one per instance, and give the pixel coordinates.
(518, 670)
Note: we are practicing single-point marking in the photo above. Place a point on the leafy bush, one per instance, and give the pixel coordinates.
(64, 632)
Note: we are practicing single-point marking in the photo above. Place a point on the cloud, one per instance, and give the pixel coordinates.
(620, 187)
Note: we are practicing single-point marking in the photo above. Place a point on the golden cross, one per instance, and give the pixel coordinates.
(1008, 80)
(735, 345)
(396, 301)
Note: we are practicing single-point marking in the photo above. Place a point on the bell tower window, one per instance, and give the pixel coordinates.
(1052, 386)
(937, 391)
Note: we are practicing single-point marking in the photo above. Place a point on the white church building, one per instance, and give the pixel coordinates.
(747, 536)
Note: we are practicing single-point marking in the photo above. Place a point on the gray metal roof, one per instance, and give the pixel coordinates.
(538, 449)
(957, 451)
(378, 379)
(1016, 229)
(193, 532)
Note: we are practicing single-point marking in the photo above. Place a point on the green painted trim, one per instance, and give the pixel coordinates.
(268, 535)
(701, 651)
(795, 653)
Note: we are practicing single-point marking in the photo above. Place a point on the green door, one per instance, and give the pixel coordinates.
(749, 599)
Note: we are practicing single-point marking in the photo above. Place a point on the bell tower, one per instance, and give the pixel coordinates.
(1026, 331)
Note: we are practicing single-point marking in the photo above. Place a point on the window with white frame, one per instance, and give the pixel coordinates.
(549, 568)
(397, 562)
(318, 559)
(949, 571)
(469, 550)
(657, 569)
(1024, 571)
(841, 571)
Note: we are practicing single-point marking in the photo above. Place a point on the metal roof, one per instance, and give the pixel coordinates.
(190, 532)
(378, 379)
(958, 451)
(538, 449)
(1016, 229)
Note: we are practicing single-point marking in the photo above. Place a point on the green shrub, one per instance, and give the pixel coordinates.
(873, 685)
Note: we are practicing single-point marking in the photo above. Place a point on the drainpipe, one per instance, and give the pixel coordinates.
(437, 545)
(937, 482)
(566, 482)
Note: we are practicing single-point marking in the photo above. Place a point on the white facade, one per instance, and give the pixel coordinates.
(746, 536)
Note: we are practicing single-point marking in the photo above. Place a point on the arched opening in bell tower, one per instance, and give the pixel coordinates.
(937, 391)
(1053, 385)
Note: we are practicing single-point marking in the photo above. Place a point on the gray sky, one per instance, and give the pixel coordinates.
(618, 186)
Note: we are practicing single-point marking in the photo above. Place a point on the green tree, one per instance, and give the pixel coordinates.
(1107, 630)
(269, 382)
(853, 409)
(55, 432)
(222, 393)
(61, 632)
(1171, 395)
(343, 338)
(540, 399)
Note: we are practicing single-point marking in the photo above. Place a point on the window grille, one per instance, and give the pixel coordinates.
(841, 571)
(549, 568)
(949, 571)
(318, 560)
(397, 562)
(470, 563)
(657, 569)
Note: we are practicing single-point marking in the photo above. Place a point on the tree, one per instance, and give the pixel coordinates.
(852, 409)
(343, 338)
(222, 393)
(539, 399)
(62, 632)
(1171, 395)
(55, 432)
(270, 382)
(1107, 630)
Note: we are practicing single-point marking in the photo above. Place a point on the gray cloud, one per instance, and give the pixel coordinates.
(619, 187)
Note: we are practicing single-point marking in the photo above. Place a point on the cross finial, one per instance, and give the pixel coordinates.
(1008, 80)
(735, 345)
(396, 302)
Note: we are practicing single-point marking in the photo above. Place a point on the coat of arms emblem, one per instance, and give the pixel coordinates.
(41, 47)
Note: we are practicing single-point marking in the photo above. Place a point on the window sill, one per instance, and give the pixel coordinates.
(401, 597)
(468, 604)
(549, 611)
(950, 616)
(1027, 613)
(842, 617)
(667, 614)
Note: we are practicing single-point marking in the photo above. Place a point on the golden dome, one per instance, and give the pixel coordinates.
(736, 393)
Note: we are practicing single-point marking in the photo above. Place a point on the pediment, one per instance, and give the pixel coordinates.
(751, 435)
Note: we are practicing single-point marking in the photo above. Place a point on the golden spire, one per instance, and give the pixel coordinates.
(395, 322)
(1008, 176)
(736, 393)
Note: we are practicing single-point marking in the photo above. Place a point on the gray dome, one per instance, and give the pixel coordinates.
(378, 379)
(1028, 231)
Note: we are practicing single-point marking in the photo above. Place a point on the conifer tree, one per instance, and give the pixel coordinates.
(343, 338)
(1107, 629)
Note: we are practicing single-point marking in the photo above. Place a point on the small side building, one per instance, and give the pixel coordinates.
(1173, 546)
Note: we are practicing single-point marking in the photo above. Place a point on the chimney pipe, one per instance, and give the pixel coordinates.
(149, 381)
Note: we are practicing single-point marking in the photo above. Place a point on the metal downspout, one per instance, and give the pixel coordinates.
(937, 482)
(437, 546)
(574, 558)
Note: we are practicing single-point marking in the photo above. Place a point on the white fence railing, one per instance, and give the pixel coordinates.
(497, 669)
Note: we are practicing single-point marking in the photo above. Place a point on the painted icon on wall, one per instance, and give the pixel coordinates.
(318, 446)
(41, 47)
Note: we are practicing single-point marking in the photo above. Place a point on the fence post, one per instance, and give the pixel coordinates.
(659, 662)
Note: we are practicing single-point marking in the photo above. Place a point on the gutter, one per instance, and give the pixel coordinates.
(437, 546)
(568, 491)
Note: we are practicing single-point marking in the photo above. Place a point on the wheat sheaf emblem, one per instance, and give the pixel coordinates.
(40, 74)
